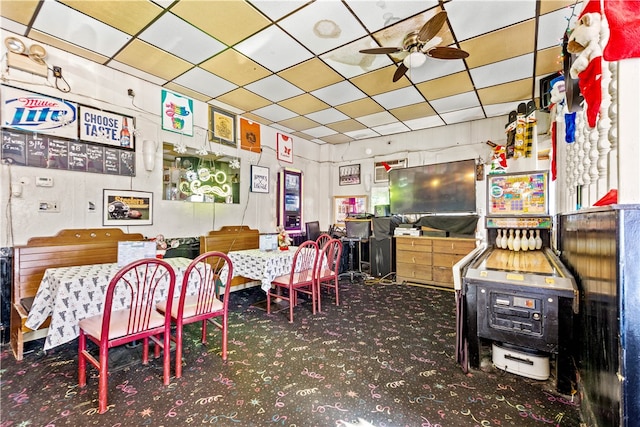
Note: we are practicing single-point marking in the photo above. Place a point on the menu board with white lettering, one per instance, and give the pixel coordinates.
(46, 151)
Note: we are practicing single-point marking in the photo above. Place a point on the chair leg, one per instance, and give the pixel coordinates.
(179, 350)
(204, 332)
(166, 359)
(292, 302)
(269, 301)
(319, 297)
(82, 361)
(225, 322)
(337, 297)
(103, 379)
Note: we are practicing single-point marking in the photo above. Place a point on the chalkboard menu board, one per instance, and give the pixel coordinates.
(45, 151)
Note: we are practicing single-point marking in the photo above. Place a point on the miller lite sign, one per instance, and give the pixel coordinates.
(32, 112)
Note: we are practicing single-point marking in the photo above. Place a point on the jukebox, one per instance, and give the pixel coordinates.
(518, 299)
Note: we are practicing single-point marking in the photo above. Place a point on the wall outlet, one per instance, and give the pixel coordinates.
(44, 206)
(44, 181)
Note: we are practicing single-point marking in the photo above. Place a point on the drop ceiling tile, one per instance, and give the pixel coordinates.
(20, 12)
(257, 119)
(130, 19)
(455, 102)
(184, 41)
(506, 43)
(311, 75)
(349, 62)
(299, 123)
(519, 90)
(379, 14)
(221, 19)
(412, 112)
(460, 116)
(392, 128)
(322, 26)
(69, 47)
(338, 93)
(472, 18)
(393, 35)
(303, 135)
(233, 66)
(320, 131)
(362, 134)
(174, 87)
(304, 104)
(379, 81)
(446, 86)
(434, 68)
(273, 49)
(13, 26)
(399, 98)
(152, 60)
(204, 82)
(548, 34)
(549, 61)
(328, 115)
(278, 9)
(274, 112)
(361, 107)
(86, 32)
(244, 100)
(128, 69)
(547, 6)
(345, 126)
(504, 71)
(424, 122)
(274, 88)
(377, 119)
(495, 110)
(283, 128)
(336, 139)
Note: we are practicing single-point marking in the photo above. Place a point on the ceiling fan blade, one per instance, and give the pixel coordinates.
(399, 72)
(379, 50)
(447, 53)
(431, 27)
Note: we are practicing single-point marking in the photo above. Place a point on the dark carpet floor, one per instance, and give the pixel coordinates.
(384, 357)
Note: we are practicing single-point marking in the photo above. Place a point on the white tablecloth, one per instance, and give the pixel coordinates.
(70, 294)
(261, 265)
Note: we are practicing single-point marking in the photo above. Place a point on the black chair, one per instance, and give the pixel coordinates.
(358, 231)
(312, 230)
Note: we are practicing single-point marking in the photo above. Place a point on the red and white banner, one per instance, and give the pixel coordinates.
(285, 148)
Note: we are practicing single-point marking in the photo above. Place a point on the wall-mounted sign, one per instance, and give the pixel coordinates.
(222, 126)
(32, 112)
(177, 113)
(250, 135)
(106, 128)
(285, 148)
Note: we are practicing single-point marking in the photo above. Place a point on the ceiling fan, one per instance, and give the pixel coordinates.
(420, 44)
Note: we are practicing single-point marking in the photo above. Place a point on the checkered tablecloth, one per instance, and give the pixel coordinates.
(70, 294)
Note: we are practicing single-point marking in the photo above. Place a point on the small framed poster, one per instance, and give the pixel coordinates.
(259, 179)
(223, 126)
(126, 207)
(349, 175)
(177, 113)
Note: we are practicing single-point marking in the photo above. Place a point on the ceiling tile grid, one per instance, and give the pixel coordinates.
(296, 65)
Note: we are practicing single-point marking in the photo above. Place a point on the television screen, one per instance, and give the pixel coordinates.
(438, 188)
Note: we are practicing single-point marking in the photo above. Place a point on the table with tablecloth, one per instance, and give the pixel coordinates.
(261, 265)
(70, 294)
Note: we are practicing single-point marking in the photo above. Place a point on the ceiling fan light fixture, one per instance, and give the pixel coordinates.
(414, 60)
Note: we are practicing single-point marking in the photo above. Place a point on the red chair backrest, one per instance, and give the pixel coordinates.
(206, 268)
(332, 253)
(144, 282)
(304, 262)
(322, 240)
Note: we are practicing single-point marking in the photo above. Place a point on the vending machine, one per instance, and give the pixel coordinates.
(289, 209)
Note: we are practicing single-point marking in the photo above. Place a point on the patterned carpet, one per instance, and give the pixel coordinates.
(384, 357)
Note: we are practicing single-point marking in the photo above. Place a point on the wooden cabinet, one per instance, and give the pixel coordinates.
(429, 259)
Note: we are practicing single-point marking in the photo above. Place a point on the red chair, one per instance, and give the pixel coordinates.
(211, 300)
(300, 279)
(322, 239)
(328, 269)
(139, 285)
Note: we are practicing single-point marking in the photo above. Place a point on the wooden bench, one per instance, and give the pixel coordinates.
(231, 238)
(67, 248)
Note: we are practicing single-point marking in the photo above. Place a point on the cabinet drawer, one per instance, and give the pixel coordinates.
(421, 258)
(443, 275)
(454, 246)
(406, 271)
(413, 244)
(446, 260)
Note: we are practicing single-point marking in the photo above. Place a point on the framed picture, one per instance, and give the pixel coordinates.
(126, 207)
(259, 179)
(177, 113)
(343, 206)
(223, 126)
(349, 175)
